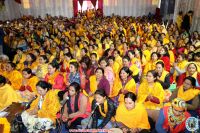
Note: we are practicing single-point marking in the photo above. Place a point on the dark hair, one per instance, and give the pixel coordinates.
(192, 80)
(54, 64)
(130, 95)
(166, 51)
(20, 49)
(13, 65)
(75, 64)
(2, 80)
(111, 57)
(190, 11)
(192, 54)
(45, 58)
(93, 54)
(182, 55)
(154, 73)
(76, 86)
(117, 51)
(127, 70)
(68, 55)
(161, 63)
(32, 57)
(193, 64)
(132, 52)
(140, 52)
(37, 50)
(99, 68)
(156, 54)
(85, 50)
(44, 85)
(180, 13)
(197, 54)
(127, 57)
(28, 70)
(101, 92)
(91, 46)
(102, 58)
(86, 60)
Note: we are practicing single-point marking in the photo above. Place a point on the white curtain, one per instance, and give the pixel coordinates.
(52, 7)
(11, 10)
(128, 7)
(36, 8)
(185, 6)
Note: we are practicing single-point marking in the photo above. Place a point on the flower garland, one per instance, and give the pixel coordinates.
(6, 125)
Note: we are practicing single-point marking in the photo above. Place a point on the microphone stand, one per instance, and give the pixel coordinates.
(92, 113)
(61, 114)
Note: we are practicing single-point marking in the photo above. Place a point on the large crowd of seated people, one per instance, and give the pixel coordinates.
(98, 72)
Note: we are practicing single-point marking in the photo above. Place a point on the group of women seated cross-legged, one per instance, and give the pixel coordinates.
(125, 73)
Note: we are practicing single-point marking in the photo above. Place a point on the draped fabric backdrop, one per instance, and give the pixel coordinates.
(36, 8)
(11, 10)
(65, 7)
(94, 2)
(185, 6)
(128, 7)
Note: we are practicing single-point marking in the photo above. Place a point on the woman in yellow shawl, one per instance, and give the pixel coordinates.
(179, 66)
(13, 76)
(42, 67)
(114, 65)
(125, 83)
(28, 84)
(30, 62)
(163, 75)
(189, 94)
(7, 93)
(131, 115)
(42, 114)
(135, 60)
(151, 65)
(191, 70)
(140, 56)
(135, 70)
(151, 93)
(19, 59)
(146, 52)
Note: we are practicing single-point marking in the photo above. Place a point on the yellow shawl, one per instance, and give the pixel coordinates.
(32, 83)
(15, 77)
(149, 66)
(42, 71)
(116, 68)
(8, 95)
(50, 105)
(157, 91)
(134, 69)
(188, 94)
(93, 83)
(51, 78)
(93, 87)
(135, 118)
(130, 86)
(181, 65)
(147, 55)
(164, 74)
(171, 57)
